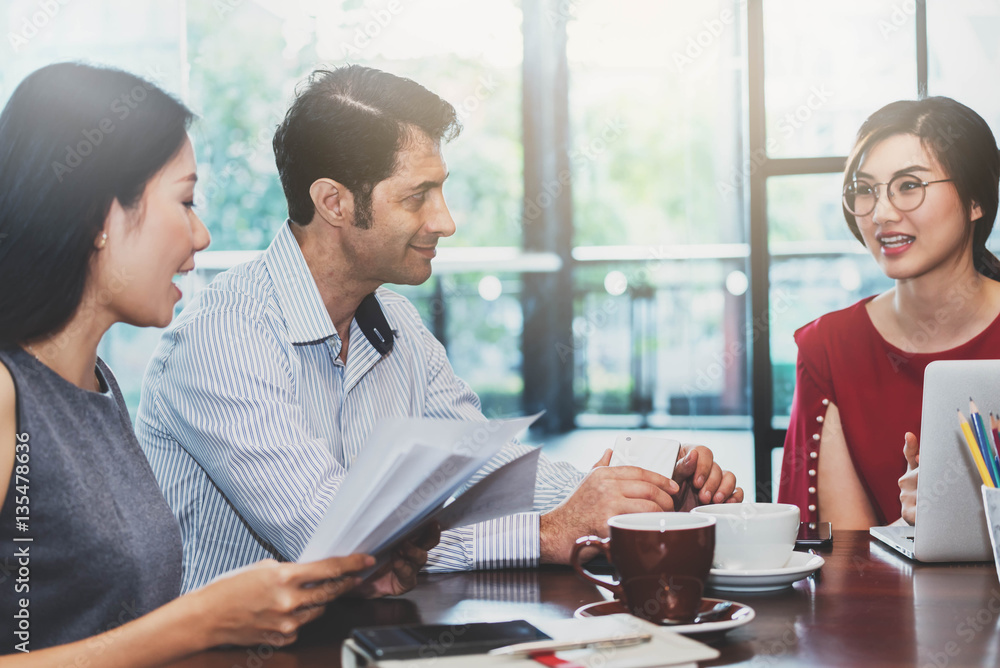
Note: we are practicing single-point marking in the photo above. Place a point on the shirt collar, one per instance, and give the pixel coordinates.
(298, 297)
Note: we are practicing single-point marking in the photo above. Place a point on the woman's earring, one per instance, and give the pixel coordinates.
(103, 241)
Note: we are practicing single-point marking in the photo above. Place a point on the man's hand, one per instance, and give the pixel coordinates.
(399, 575)
(707, 482)
(908, 483)
(605, 492)
(702, 481)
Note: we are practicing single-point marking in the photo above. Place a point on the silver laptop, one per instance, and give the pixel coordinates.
(950, 521)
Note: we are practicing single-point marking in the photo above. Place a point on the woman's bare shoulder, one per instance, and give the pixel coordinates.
(8, 427)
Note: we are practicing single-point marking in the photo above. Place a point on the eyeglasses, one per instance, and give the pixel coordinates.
(906, 192)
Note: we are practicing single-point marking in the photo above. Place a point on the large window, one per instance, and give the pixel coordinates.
(245, 61)
(656, 93)
(827, 67)
(964, 54)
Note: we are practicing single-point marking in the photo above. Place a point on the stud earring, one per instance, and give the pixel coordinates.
(104, 240)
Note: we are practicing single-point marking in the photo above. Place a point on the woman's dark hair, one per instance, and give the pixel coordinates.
(73, 139)
(962, 143)
(349, 124)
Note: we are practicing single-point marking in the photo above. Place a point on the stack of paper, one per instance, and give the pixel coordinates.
(409, 471)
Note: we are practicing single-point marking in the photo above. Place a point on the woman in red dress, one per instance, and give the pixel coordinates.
(920, 192)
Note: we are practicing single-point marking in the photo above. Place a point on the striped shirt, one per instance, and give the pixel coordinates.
(250, 420)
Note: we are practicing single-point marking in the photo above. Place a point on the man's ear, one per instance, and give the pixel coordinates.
(333, 203)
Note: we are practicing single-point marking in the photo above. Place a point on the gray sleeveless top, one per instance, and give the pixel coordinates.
(104, 546)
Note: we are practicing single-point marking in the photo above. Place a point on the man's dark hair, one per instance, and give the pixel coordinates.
(349, 124)
(73, 139)
(962, 143)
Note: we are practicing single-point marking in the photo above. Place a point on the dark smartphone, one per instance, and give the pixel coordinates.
(815, 534)
(434, 640)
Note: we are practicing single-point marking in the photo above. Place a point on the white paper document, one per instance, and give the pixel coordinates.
(508, 490)
(408, 471)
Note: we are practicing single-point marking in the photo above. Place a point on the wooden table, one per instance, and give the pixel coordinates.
(868, 607)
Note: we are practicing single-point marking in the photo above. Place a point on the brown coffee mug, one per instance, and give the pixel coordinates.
(662, 559)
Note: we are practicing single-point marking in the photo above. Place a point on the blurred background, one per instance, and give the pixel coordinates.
(647, 192)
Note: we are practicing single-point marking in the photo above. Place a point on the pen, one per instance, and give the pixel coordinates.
(553, 661)
(548, 646)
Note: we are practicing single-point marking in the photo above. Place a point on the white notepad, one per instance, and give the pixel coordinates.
(665, 649)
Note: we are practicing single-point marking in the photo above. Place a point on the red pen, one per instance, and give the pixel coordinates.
(554, 661)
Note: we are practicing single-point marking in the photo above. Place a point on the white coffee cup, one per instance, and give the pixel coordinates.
(753, 536)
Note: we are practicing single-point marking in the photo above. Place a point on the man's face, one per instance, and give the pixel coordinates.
(409, 215)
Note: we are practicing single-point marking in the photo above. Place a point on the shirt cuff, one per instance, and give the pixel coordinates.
(507, 542)
(453, 553)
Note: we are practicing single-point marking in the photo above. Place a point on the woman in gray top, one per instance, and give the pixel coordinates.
(97, 178)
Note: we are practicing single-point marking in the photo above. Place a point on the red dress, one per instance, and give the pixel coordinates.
(878, 390)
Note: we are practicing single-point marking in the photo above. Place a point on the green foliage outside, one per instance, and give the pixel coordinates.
(242, 77)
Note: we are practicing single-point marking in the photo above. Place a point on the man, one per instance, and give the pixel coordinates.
(265, 388)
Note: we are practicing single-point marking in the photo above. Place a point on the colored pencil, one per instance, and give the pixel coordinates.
(995, 428)
(977, 456)
(983, 438)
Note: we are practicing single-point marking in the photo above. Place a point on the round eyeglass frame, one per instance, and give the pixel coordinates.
(889, 189)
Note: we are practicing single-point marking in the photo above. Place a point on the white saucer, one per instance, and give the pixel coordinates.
(800, 565)
(737, 615)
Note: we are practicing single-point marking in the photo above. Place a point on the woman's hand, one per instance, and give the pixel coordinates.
(267, 602)
(908, 483)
